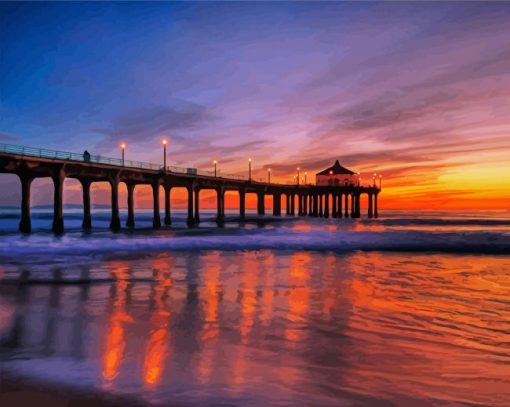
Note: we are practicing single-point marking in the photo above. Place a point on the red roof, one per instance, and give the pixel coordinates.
(336, 169)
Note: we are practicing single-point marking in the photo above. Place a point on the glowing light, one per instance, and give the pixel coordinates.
(164, 142)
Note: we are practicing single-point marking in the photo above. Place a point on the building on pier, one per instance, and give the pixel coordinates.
(336, 175)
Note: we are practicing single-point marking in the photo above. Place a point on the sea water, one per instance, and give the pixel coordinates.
(408, 309)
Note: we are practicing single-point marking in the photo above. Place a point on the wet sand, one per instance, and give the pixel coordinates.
(262, 328)
(18, 391)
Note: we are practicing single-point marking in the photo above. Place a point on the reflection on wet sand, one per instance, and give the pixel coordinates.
(156, 349)
(308, 328)
(211, 294)
(298, 300)
(115, 331)
(247, 294)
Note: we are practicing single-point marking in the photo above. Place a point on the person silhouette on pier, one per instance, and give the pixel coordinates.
(86, 156)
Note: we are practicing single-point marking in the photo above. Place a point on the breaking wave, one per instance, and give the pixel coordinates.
(257, 239)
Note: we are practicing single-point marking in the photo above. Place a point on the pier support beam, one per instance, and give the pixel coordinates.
(130, 222)
(115, 221)
(190, 220)
(156, 218)
(242, 204)
(197, 205)
(292, 204)
(340, 213)
(315, 205)
(196, 202)
(346, 204)
(326, 205)
(277, 204)
(353, 205)
(300, 204)
(168, 218)
(287, 204)
(358, 205)
(260, 204)
(220, 206)
(87, 218)
(321, 213)
(305, 204)
(334, 210)
(310, 204)
(376, 213)
(370, 207)
(58, 214)
(25, 224)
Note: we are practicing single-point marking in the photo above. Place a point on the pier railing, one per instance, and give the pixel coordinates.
(99, 159)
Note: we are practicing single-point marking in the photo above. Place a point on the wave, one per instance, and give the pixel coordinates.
(444, 222)
(256, 239)
(146, 216)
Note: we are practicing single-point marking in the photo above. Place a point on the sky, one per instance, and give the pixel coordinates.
(417, 92)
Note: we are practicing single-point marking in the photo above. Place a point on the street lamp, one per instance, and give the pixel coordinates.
(374, 177)
(249, 169)
(123, 148)
(305, 178)
(215, 164)
(164, 154)
(298, 175)
(380, 182)
(269, 175)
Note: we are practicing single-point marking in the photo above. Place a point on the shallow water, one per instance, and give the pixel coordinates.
(214, 316)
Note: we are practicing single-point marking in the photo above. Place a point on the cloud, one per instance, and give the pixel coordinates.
(7, 137)
(146, 123)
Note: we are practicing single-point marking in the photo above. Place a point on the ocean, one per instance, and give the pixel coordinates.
(411, 309)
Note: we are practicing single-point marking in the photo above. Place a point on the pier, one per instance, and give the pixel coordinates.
(301, 199)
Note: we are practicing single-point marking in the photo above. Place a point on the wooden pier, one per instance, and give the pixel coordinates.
(30, 163)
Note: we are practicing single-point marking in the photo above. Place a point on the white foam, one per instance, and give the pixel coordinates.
(254, 239)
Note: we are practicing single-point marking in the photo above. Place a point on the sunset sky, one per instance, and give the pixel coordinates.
(419, 92)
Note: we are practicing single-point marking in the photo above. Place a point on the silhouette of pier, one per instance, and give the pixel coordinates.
(31, 163)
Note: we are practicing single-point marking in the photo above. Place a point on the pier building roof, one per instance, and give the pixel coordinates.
(336, 169)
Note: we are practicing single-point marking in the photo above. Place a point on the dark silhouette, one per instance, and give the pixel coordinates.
(86, 156)
(309, 199)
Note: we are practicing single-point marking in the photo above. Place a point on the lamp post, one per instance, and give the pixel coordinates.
(298, 175)
(215, 167)
(380, 182)
(374, 177)
(269, 175)
(249, 169)
(305, 178)
(123, 149)
(164, 154)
